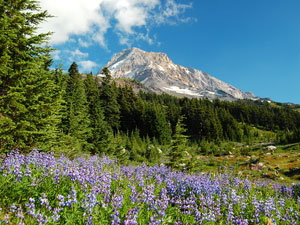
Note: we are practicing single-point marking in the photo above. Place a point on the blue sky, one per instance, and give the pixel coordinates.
(251, 44)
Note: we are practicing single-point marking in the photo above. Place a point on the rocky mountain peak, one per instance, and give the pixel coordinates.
(157, 72)
(134, 58)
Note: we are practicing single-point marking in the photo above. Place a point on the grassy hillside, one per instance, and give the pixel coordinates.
(255, 162)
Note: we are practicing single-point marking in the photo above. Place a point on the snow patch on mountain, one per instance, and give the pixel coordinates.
(182, 91)
(117, 65)
(161, 68)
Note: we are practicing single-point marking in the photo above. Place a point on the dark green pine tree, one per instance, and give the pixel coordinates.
(109, 101)
(131, 109)
(156, 124)
(178, 155)
(78, 120)
(231, 129)
(101, 137)
(61, 79)
(29, 100)
(173, 114)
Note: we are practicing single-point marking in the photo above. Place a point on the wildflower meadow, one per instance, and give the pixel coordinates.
(39, 188)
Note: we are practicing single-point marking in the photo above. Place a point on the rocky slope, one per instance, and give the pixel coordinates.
(157, 72)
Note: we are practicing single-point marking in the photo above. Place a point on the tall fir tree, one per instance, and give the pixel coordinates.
(101, 137)
(78, 121)
(29, 99)
(61, 79)
(109, 100)
(178, 151)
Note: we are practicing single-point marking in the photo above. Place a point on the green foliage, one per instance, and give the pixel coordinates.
(155, 123)
(131, 110)
(29, 99)
(109, 100)
(77, 122)
(173, 114)
(178, 154)
(101, 135)
(289, 136)
(61, 79)
(231, 129)
(153, 154)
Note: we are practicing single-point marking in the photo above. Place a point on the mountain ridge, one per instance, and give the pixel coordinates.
(158, 72)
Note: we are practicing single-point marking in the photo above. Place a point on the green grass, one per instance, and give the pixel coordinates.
(282, 165)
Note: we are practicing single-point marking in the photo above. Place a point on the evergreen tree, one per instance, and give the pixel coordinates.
(173, 115)
(78, 121)
(156, 124)
(178, 150)
(61, 79)
(231, 129)
(119, 147)
(29, 99)
(101, 133)
(109, 101)
(194, 117)
(131, 110)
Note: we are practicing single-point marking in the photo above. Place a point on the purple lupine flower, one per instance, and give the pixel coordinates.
(115, 218)
(134, 195)
(117, 200)
(154, 220)
(44, 200)
(55, 217)
(269, 207)
(148, 195)
(256, 205)
(60, 197)
(163, 202)
(89, 202)
(230, 214)
(117, 203)
(13, 208)
(240, 221)
(30, 207)
(20, 214)
(28, 171)
(235, 198)
(41, 219)
(131, 217)
(71, 198)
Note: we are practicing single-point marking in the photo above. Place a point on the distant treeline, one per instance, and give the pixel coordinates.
(91, 111)
(110, 110)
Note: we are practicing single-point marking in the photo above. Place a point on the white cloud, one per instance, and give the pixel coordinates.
(74, 56)
(56, 54)
(93, 18)
(87, 65)
(83, 43)
(78, 54)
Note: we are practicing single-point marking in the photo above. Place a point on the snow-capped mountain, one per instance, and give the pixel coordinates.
(157, 72)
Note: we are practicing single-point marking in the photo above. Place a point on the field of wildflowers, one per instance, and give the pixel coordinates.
(39, 188)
